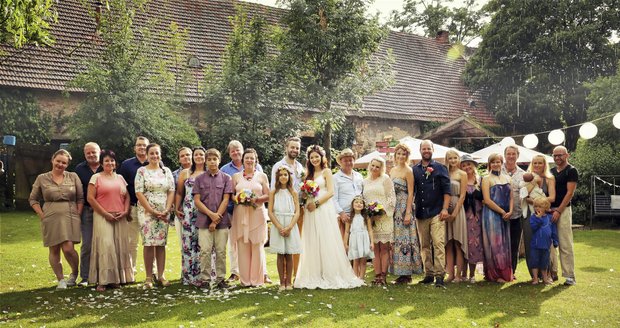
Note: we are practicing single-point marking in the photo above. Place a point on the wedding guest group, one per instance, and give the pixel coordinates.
(439, 220)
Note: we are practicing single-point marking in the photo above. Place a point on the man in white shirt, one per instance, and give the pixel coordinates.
(347, 185)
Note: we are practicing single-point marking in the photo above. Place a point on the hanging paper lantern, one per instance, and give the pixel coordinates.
(588, 130)
(556, 137)
(530, 141)
(617, 120)
(507, 141)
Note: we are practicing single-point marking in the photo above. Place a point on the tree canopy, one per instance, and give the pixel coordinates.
(26, 22)
(463, 23)
(126, 94)
(330, 50)
(248, 100)
(535, 57)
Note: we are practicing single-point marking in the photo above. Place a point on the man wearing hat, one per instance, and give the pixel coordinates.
(347, 185)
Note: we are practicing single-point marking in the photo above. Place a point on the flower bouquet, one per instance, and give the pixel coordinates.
(309, 189)
(245, 198)
(374, 210)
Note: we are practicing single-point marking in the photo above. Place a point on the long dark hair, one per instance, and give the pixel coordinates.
(364, 213)
(314, 149)
(193, 167)
(289, 183)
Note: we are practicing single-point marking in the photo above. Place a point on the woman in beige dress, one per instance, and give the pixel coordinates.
(456, 226)
(110, 259)
(379, 187)
(63, 199)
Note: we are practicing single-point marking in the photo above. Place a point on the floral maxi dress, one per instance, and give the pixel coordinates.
(407, 257)
(190, 250)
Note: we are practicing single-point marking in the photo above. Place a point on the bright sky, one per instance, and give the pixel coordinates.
(384, 7)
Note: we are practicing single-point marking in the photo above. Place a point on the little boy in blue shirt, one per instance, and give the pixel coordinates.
(544, 235)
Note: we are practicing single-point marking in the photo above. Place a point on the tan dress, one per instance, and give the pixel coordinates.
(457, 230)
(110, 260)
(382, 191)
(61, 221)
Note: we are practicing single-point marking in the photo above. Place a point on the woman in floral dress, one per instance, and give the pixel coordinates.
(407, 259)
(155, 192)
(187, 214)
(473, 214)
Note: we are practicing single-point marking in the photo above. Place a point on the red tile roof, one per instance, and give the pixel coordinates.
(427, 87)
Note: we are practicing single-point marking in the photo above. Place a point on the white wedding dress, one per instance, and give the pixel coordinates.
(323, 262)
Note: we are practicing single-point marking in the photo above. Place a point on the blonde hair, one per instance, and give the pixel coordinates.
(405, 148)
(380, 160)
(452, 151)
(542, 202)
(494, 157)
(546, 172)
(63, 153)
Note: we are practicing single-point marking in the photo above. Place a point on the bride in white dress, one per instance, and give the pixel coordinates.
(323, 262)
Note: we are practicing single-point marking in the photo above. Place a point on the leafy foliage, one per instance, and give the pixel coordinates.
(432, 16)
(22, 117)
(542, 52)
(26, 21)
(247, 101)
(125, 96)
(601, 154)
(328, 48)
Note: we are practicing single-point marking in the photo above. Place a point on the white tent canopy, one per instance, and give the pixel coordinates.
(414, 144)
(525, 155)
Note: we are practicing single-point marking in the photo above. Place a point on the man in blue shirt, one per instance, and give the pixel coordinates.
(85, 171)
(128, 170)
(432, 199)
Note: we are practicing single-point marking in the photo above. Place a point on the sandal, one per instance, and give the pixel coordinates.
(101, 288)
(148, 284)
(164, 283)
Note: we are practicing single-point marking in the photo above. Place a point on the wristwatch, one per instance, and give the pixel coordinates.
(316, 203)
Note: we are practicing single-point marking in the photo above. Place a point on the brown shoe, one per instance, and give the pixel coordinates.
(233, 277)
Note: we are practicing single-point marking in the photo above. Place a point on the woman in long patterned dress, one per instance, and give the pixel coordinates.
(407, 259)
(379, 187)
(155, 192)
(456, 226)
(63, 199)
(249, 223)
(187, 214)
(497, 210)
(473, 213)
(110, 260)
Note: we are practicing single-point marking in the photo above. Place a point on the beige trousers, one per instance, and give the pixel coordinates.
(207, 240)
(433, 230)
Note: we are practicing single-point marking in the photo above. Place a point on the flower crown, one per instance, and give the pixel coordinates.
(285, 168)
(316, 148)
(359, 197)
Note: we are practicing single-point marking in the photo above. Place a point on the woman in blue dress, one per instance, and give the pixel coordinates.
(496, 213)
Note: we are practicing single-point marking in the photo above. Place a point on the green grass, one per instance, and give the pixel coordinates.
(28, 297)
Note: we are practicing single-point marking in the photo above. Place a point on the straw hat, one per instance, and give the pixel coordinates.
(347, 152)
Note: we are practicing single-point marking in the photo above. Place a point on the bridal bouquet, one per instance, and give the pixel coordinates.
(309, 189)
(374, 209)
(245, 198)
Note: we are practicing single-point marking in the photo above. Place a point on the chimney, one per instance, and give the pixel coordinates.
(443, 37)
(98, 9)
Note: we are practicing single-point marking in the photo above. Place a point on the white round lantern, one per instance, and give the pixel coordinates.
(556, 137)
(507, 141)
(530, 141)
(588, 130)
(617, 120)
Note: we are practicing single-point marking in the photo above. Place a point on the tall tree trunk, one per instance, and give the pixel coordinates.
(327, 143)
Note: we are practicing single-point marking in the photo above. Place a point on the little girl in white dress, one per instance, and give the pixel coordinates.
(284, 238)
(358, 238)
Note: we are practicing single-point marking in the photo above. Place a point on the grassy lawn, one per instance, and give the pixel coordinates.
(28, 296)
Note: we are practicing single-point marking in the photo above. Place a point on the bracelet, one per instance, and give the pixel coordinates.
(316, 203)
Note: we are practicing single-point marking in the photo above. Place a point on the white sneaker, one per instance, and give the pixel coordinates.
(570, 282)
(62, 284)
(71, 280)
(472, 280)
